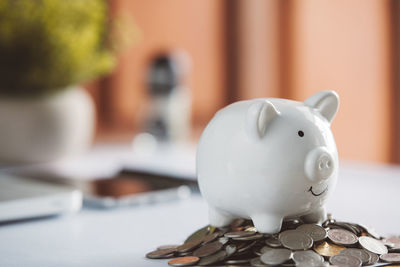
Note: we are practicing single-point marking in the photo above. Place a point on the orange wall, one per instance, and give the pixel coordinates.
(258, 49)
(344, 46)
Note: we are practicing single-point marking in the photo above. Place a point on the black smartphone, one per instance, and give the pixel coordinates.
(134, 187)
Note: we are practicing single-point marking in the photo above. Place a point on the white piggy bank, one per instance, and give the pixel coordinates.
(268, 159)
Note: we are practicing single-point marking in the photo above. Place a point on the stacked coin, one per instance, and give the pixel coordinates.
(297, 244)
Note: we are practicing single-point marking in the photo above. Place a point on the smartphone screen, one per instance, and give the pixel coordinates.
(129, 188)
(128, 183)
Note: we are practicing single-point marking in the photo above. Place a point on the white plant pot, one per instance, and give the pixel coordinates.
(43, 129)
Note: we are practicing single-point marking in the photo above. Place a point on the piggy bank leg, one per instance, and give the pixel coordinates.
(218, 218)
(318, 216)
(267, 223)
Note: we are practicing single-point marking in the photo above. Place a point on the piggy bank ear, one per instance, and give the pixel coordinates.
(325, 102)
(258, 118)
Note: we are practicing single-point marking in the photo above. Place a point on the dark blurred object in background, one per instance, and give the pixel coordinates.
(167, 115)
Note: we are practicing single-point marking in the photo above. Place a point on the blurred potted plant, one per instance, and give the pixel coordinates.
(48, 48)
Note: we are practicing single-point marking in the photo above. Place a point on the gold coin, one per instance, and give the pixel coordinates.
(327, 249)
(251, 229)
(184, 261)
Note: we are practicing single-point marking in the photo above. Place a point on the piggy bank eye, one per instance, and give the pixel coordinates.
(300, 133)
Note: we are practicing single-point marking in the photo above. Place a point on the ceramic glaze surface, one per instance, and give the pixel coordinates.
(269, 159)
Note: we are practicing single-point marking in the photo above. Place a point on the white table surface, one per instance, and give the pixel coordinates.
(365, 194)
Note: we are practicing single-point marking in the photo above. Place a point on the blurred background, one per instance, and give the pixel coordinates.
(245, 49)
(166, 67)
(102, 103)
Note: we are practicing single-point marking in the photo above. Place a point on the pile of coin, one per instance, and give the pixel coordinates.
(297, 244)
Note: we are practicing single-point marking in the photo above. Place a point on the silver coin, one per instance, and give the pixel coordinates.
(257, 262)
(248, 238)
(359, 227)
(358, 253)
(289, 263)
(351, 227)
(342, 237)
(182, 254)
(345, 261)
(392, 242)
(290, 224)
(370, 231)
(273, 241)
(374, 258)
(239, 234)
(245, 246)
(265, 249)
(237, 261)
(391, 257)
(322, 264)
(328, 221)
(295, 240)
(394, 250)
(372, 245)
(230, 250)
(307, 257)
(317, 233)
(276, 256)
(345, 226)
(256, 252)
(214, 258)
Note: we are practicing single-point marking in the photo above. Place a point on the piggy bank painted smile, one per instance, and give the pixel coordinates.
(268, 159)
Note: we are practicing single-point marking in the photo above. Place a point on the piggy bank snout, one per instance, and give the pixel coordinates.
(319, 164)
